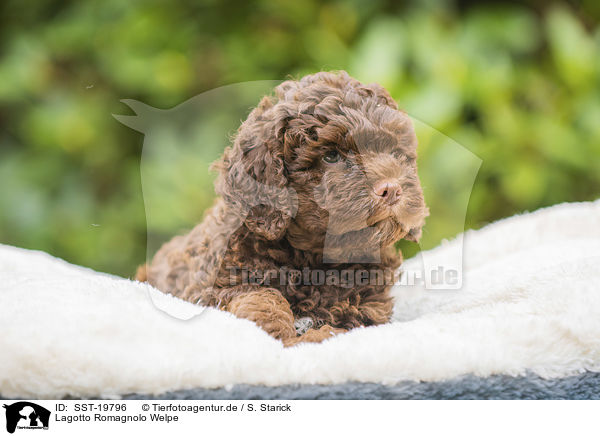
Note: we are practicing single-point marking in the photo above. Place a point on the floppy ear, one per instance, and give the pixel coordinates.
(253, 177)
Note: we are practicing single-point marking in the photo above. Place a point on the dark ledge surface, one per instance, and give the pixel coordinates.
(584, 386)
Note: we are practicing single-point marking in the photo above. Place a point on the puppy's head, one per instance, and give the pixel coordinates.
(343, 148)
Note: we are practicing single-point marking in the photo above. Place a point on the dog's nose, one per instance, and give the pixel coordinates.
(388, 190)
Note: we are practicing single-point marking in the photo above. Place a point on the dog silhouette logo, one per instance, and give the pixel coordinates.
(26, 415)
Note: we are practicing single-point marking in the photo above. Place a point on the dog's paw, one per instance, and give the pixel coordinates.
(313, 335)
(268, 309)
(302, 325)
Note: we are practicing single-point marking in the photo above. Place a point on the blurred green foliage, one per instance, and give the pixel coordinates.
(519, 86)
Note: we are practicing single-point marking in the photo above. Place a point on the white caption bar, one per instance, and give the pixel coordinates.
(151, 417)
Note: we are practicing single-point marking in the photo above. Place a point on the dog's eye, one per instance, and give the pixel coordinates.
(332, 156)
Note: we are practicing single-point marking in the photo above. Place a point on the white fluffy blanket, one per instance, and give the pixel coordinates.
(530, 303)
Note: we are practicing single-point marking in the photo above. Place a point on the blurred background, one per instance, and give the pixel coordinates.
(517, 85)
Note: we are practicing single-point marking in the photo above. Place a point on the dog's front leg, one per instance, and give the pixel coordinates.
(271, 312)
(268, 309)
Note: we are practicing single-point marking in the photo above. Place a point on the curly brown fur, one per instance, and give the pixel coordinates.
(287, 200)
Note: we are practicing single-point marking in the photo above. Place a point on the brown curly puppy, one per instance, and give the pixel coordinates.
(320, 182)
